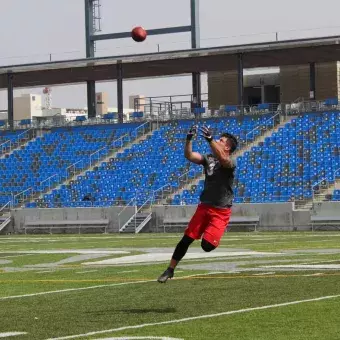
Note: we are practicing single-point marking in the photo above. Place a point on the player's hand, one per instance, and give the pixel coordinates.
(206, 133)
(192, 132)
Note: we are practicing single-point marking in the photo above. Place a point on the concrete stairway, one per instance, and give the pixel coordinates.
(136, 223)
(324, 190)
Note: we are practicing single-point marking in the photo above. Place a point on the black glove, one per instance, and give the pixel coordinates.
(191, 133)
(206, 133)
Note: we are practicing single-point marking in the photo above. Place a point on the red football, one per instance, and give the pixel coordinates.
(138, 34)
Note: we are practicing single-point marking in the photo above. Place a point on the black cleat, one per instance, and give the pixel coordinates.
(168, 274)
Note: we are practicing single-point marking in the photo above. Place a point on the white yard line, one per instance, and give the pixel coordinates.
(97, 286)
(71, 251)
(128, 271)
(141, 338)
(316, 262)
(207, 316)
(45, 271)
(5, 335)
(9, 256)
(87, 271)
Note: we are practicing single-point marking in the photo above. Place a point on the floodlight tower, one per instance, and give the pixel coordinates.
(92, 22)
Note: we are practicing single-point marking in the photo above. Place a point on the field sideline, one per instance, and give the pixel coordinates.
(255, 286)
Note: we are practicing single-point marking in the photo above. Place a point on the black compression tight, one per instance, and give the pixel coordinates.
(182, 248)
(184, 244)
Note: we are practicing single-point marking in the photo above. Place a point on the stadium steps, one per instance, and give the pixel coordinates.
(5, 220)
(238, 153)
(91, 168)
(32, 136)
(5, 217)
(136, 223)
(320, 197)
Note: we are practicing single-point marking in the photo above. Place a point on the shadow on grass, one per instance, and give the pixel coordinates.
(147, 310)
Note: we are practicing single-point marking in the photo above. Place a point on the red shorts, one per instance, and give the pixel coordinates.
(210, 222)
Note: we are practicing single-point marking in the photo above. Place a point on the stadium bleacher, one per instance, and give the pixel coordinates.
(284, 167)
(287, 164)
(55, 156)
(147, 166)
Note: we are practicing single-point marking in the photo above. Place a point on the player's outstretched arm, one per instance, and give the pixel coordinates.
(191, 156)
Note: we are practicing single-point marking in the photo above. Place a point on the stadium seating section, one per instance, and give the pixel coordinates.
(287, 164)
(53, 155)
(282, 168)
(147, 166)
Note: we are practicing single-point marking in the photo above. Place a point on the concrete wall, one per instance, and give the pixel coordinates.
(294, 81)
(326, 209)
(326, 80)
(102, 102)
(140, 102)
(20, 215)
(27, 106)
(222, 88)
(275, 216)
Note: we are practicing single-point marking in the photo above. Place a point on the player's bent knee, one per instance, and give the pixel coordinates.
(207, 246)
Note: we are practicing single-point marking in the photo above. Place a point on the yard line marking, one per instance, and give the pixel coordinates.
(141, 338)
(139, 280)
(206, 316)
(9, 256)
(87, 271)
(45, 271)
(5, 335)
(128, 271)
(85, 288)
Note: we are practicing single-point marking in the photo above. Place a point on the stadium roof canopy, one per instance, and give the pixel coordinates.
(280, 53)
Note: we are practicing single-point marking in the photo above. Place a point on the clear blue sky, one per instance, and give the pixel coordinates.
(33, 29)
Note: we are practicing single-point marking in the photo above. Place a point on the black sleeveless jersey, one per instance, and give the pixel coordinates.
(218, 184)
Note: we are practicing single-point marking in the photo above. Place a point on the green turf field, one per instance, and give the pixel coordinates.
(257, 286)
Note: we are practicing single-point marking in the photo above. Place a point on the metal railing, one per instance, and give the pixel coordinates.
(173, 108)
(132, 202)
(16, 199)
(147, 205)
(108, 148)
(10, 145)
(49, 181)
(81, 204)
(69, 173)
(320, 188)
(260, 130)
(160, 194)
(336, 182)
(60, 121)
(6, 207)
